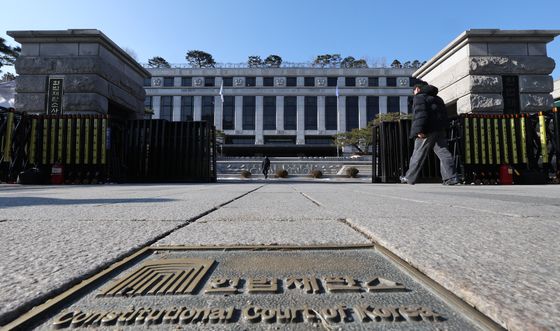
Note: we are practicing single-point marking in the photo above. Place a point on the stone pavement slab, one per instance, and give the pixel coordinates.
(54, 236)
(495, 247)
(265, 232)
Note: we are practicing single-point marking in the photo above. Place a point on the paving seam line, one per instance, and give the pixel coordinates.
(308, 197)
(34, 307)
(463, 307)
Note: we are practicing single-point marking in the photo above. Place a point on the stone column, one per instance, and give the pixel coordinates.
(300, 81)
(176, 82)
(362, 113)
(280, 114)
(300, 119)
(403, 100)
(197, 115)
(218, 112)
(382, 81)
(383, 104)
(321, 113)
(156, 105)
(176, 115)
(259, 137)
(341, 114)
(259, 81)
(238, 113)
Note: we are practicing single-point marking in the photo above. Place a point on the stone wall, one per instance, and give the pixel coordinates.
(556, 91)
(470, 69)
(97, 73)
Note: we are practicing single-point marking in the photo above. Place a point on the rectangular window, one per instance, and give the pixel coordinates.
(248, 113)
(229, 113)
(280, 140)
(332, 81)
(209, 81)
(392, 81)
(290, 113)
(187, 108)
(147, 82)
(291, 81)
(309, 81)
(310, 113)
(331, 113)
(372, 108)
(393, 105)
(148, 102)
(228, 81)
(186, 81)
(352, 113)
(166, 110)
(269, 113)
(410, 99)
(413, 81)
(250, 81)
(168, 81)
(350, 81)
(208, 109)
(240, 140)
(268, 81)
(373, 81)
(319, 140)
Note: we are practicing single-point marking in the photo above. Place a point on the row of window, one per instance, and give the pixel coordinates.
(269, 111)
(269, 81)
(279, 140)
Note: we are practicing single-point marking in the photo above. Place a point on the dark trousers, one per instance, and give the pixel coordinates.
(265, 172)
(437, 141)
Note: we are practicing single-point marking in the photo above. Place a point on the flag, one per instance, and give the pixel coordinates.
(336, 90)
(222, 91)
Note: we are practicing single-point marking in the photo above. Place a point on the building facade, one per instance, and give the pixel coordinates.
(278, 111)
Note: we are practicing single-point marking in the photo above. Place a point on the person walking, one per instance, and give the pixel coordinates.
(429, 129)
(265, 166)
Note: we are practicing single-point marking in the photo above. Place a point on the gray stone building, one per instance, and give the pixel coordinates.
(278, 111)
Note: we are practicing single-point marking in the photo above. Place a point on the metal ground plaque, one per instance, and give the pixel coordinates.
(350, 288)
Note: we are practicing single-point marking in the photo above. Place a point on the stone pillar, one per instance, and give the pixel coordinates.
(300, 81)
(96, 73)
(238, 113)
(176, 115)
(197, 109)
(300, 119)
(176, 82)
(156, 105)
(279, 114)
(259, 81)
(403, 100)
(362, 113)
(218, 112)
(341, 127)
(382, 104)
(382, 81)
(321, 113)
(470, 71)
(259, 117)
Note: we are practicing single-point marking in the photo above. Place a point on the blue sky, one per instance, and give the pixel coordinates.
(297, 30)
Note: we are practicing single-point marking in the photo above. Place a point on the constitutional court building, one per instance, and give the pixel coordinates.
(278, 111)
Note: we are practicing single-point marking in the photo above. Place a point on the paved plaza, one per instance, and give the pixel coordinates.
(495, 247)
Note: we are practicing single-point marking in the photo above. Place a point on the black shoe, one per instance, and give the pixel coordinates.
(451, 181)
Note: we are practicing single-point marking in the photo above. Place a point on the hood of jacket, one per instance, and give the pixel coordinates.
(429, 90)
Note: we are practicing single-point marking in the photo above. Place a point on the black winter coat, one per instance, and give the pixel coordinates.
(430, 114)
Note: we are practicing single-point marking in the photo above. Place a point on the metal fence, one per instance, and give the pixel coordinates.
(95, 148)
(529, 145)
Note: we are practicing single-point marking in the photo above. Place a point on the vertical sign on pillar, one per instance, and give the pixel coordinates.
(54, 96)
